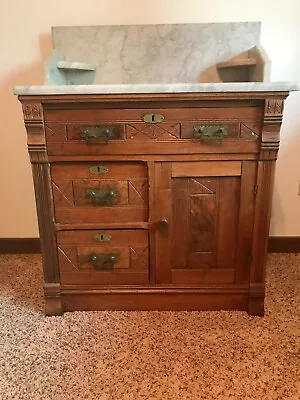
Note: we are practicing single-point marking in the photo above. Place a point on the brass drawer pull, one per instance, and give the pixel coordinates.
(103, 261)
(102, 197)
(100, 134)
(210, 131)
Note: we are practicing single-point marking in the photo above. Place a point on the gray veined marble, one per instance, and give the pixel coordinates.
(182, 53)
(180, 58)
(75, 65)
(160, 88)
(58, 71)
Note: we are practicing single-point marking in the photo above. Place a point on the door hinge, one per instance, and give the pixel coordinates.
(255, 189)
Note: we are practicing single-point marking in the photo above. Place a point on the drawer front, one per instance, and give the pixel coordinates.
(106, 257)
(107, 192)
(172, 131)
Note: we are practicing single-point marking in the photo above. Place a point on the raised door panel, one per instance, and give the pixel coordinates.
(210, 207)
(208, 210)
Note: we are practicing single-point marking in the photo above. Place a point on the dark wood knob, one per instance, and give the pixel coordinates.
(163, 224)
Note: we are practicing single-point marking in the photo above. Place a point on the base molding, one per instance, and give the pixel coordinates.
(284, 244)
(20, 246)
(161, 300)
(276, 244)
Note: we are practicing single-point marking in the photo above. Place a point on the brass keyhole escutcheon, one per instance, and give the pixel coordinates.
(102, 237)
(153, 118)
(99, 169)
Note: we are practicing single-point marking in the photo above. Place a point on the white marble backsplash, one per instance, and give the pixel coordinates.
(129, 54)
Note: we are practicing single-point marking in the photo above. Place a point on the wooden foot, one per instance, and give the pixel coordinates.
(53, 305)
(256, 306)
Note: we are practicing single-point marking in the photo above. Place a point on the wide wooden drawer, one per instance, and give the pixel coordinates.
(172, 131)
(100, 192)
(106, 257)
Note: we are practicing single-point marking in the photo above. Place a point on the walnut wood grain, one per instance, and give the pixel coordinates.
(263, 205)
(180, 223)
(72, 181)
(194, 276)
(156, 157)
(209, 168)
(163, 211)
(155, 301)
(246, 216)
(170, 114)
(193, 215)
(182, 146)
(229, 198)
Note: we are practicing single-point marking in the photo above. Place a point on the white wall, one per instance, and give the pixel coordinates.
(25, 41)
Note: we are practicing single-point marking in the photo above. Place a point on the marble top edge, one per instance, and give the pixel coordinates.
(159, 88)
(160, 24)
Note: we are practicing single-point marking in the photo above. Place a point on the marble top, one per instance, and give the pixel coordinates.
(159, 88)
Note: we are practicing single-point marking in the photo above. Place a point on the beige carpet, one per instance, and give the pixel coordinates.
(148, 355)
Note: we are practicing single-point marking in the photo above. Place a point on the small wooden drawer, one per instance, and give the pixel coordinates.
(103, 192)
(106, 257)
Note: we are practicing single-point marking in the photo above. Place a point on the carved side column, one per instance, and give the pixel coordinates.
(265, 182)
(33, 117)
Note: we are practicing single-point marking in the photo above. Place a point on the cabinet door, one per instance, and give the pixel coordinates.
(205, 217)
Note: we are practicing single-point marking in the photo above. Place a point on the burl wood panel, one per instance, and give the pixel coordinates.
(205, 229)
(131, 247)
(71, 182)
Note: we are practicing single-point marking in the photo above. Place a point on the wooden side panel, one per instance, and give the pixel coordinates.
(265, 182)
(33, 117)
